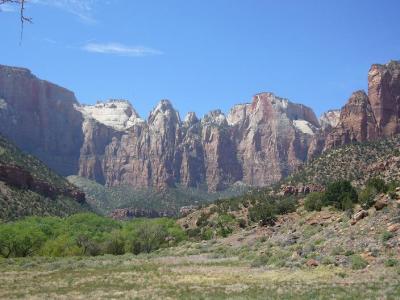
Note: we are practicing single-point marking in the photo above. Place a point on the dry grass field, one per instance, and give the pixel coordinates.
(187, 277)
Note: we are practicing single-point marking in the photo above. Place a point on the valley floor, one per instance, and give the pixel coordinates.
(198, 276)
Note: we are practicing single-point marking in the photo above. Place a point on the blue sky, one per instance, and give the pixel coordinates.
(206, 54)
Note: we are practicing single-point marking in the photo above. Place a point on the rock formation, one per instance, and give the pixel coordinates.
(40, 118)
(257, 143)
(366, 117)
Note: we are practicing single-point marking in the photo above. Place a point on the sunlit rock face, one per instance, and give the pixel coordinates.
(366, 117)
(384, 96)
(117, 114)
(330, 118)
(357, 122)
(256, 143)
(40, 118)
(272, 136)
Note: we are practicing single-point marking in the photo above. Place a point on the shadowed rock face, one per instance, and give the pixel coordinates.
(39, 117)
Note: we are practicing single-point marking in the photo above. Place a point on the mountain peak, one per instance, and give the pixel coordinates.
(116, 113)
(191, 118)
(165, 109)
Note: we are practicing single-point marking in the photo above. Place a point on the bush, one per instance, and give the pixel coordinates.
(391, 262)
(378, 184)
(62, 245)
(387, 235)
(207, 234)
(341, 194)
(314, 201)
(203, 220)
(358, 263)
(286, 205)
(115, 244)
(242, 223)
(264, 213)
(86, 234)
(225, 225)
(148, 235)
(367, 197)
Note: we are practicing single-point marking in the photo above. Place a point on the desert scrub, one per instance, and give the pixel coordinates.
(391, 262)
(341, 194)
(367, 197)
(357, 262)
(387, 236)
(314, 201)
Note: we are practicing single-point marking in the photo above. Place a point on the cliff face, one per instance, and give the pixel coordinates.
(366, 117)
(272, 136)
(257, 143)
(384, 96)
(357, 122)
(39, 117)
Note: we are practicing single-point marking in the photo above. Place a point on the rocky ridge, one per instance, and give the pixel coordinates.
(256, 143)
(216, 151)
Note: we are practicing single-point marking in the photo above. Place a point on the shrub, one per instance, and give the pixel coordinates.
(242, 223)
(143, 235)
(341, 194)
(314, 201)
(358, 263)
(63, 245)
(203, 220)
(207, 234)
(378, 184)
(367, 197)
(193, 232)
(391, 262)
(225, 225)
(264, 213)
(392, 185)
(387, 235)
(286, 205)
(114, 244)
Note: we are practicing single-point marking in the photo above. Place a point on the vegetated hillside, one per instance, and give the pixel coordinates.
(356, 162)
(287, 231)
(147, 201)
(28, 187)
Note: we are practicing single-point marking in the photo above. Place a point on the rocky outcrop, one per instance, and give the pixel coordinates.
(384, 96)
(40, 118)
(365, 117)
(330, 119)
(117, 114)
(18, 177)
(257, 143)
(272, 136)
(132, 213)
(357, 122)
